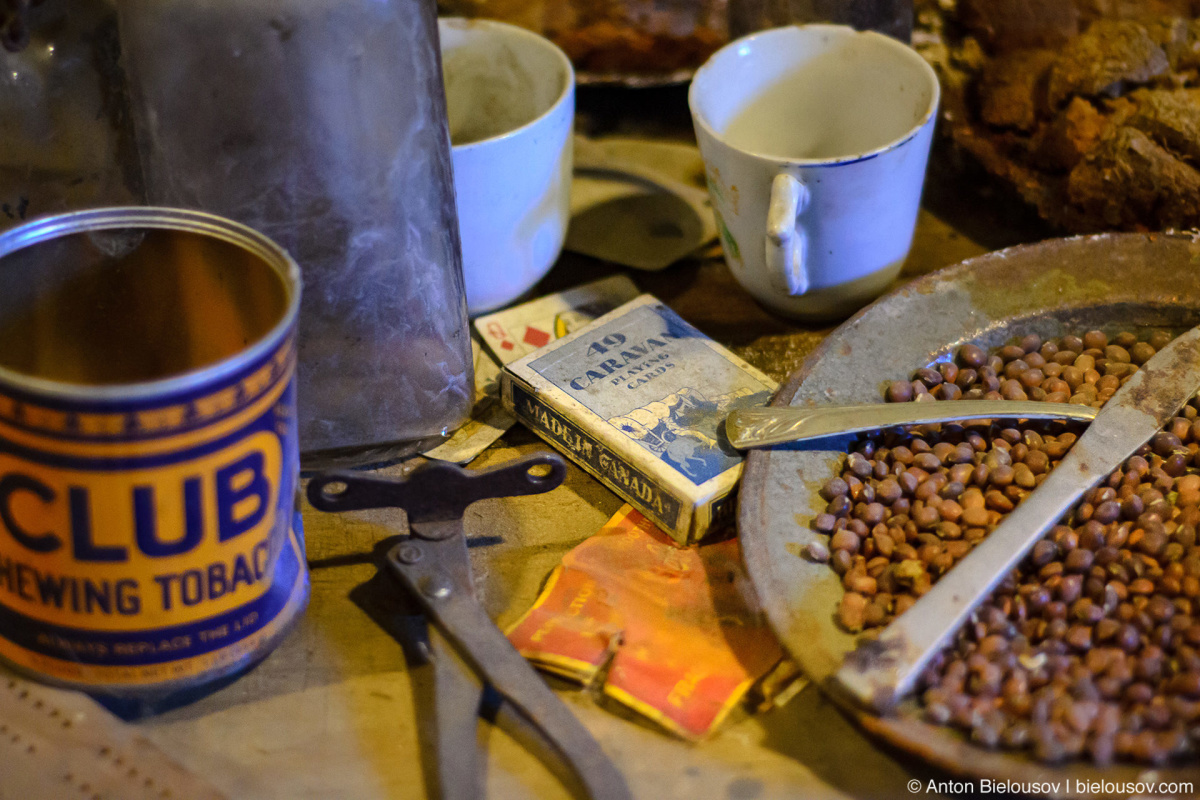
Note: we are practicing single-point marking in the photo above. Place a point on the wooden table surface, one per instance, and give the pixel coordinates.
(335, 712)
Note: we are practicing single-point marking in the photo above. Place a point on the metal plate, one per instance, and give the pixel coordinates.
(1109, 281)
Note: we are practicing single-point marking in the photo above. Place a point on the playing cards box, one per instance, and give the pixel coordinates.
(639, 398)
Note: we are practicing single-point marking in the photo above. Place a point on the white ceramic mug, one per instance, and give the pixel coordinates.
(510, 97)
(815, 139)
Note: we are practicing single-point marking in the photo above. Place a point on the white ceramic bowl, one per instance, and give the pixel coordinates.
(510, 96)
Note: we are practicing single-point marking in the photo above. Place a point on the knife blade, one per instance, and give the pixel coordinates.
(762, 427)
(880, 671)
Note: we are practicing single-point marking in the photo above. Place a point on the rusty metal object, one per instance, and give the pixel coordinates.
(1109, 281)
(468, 651)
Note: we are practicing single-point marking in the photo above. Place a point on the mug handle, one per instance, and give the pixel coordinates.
(786, 240)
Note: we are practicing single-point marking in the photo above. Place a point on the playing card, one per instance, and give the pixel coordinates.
(481, 431)
(518, 331)
(489, 419)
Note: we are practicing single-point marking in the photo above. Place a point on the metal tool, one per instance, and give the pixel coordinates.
(762, 427)
(468, 650)
(881, 671)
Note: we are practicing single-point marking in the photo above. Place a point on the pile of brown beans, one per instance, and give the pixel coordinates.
(1092, 647)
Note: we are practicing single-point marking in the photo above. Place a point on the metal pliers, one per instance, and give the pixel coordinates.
(468, 651)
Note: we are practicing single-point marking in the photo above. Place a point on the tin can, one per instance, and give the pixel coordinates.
(149, 537)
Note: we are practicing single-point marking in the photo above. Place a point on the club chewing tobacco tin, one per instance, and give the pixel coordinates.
(149, 540)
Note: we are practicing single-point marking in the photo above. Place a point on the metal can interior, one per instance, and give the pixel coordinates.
(115, 297)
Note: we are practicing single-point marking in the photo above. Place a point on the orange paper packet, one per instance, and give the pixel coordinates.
(665, 630)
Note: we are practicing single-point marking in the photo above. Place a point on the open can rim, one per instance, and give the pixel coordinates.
(176, 219)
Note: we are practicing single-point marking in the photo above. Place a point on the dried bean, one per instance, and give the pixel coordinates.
(900, 392)
(1100, 614)
(816, 551)
(851, 612)
(1141, 352)
(845, 540)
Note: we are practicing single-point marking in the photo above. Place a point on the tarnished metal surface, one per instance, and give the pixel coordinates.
(1112, 282)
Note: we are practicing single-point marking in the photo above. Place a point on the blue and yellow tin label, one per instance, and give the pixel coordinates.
(148, 533)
